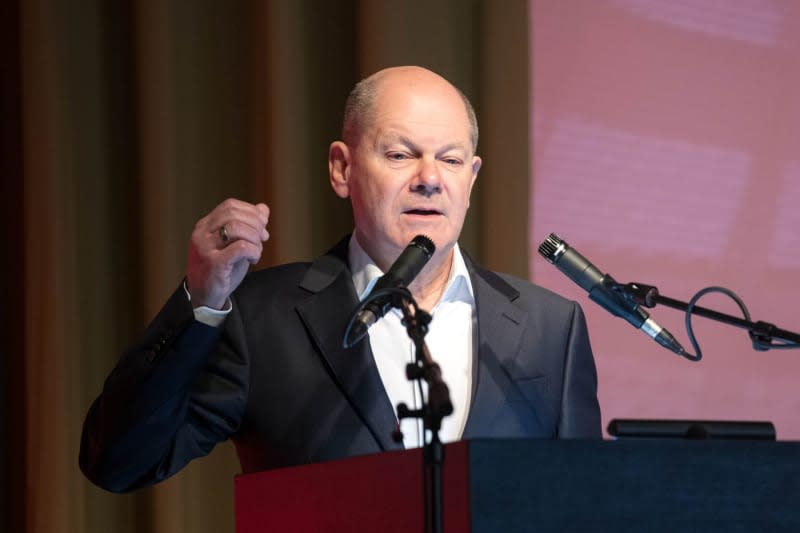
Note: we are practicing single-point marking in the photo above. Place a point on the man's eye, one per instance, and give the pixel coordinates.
(452, 161)
(396, 156)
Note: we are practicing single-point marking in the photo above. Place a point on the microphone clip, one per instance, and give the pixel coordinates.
(639, 293)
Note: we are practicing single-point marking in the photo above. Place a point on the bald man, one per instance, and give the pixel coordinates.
(258, 357)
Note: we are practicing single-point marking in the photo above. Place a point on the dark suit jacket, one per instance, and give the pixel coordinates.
(277, 380)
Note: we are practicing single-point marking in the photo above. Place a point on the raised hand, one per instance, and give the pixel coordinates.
(224, 244)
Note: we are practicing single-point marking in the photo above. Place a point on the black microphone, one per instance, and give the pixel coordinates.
(400, 274)
(601, 289)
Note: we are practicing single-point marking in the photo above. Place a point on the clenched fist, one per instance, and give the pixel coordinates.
(223, 246)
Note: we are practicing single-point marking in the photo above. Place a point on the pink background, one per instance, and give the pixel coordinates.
(666, 149)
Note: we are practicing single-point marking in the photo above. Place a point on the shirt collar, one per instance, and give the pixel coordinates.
(366, 274)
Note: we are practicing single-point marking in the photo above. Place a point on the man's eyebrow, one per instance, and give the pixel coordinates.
(392, 138)
(452, 146)
(402, 139)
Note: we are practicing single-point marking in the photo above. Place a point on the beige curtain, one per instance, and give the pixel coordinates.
(136, 119)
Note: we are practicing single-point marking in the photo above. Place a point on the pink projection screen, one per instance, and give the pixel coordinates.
(666, 149)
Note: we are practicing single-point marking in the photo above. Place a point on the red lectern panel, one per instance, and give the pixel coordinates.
(381, 492)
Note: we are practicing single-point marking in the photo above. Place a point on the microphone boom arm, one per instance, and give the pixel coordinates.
(762, 334)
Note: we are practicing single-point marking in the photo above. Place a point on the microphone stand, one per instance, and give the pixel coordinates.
(762, 334)
(432, 412)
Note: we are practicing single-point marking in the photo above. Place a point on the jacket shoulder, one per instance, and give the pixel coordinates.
(527, 295)
(271, 283)
(529, 290)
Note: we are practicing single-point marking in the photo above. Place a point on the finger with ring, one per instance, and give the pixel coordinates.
(223, 234)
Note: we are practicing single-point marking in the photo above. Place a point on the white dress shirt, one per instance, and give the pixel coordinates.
(450, 340)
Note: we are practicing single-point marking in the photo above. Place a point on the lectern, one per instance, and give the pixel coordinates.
(539, 485)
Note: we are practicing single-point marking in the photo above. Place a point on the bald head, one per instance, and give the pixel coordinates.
(359, 110)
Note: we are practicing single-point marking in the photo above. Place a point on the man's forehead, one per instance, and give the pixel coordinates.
(407, 105)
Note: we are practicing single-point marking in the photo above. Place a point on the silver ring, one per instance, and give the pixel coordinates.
(223, 234)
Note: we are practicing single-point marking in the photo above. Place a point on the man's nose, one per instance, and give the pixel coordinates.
(428, 180)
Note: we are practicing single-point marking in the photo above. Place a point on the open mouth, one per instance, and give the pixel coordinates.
(422, 212)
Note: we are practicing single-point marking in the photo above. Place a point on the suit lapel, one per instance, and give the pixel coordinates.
(326, 315)
(500, 327)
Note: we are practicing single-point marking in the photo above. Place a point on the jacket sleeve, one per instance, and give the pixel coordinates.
(171, 397)
(580, 410)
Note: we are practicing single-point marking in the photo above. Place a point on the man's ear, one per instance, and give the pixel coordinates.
(476, 166)
(339, 168)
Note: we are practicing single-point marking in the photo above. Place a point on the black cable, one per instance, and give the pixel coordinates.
(691, 305)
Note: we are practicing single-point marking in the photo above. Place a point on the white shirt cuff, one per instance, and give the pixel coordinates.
(208, 315)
